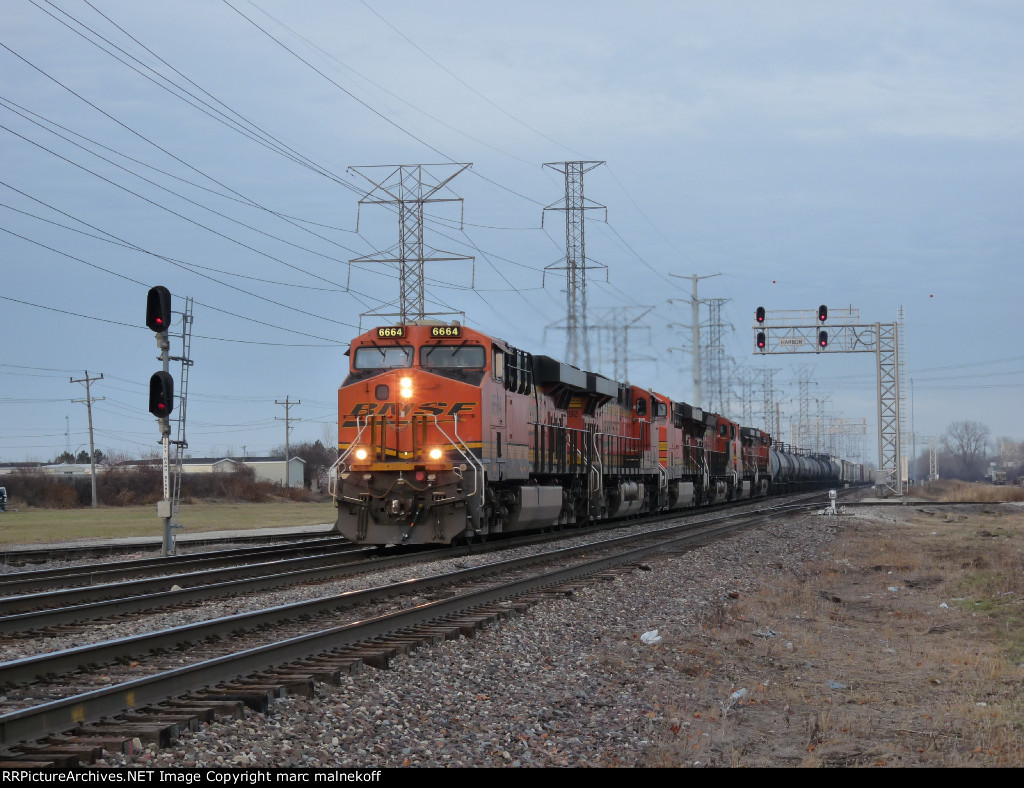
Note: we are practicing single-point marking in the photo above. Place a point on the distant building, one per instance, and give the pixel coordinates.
(269, 469)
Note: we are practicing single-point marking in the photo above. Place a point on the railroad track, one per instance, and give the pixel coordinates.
(40, 580)
(13, 555)
(296, 644)
(52, 598)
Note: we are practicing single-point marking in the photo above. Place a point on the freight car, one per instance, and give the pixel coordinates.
(446, 434)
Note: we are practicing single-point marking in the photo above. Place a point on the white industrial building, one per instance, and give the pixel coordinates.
(269, 469)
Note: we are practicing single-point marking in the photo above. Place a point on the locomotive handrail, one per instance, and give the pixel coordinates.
(477, 465)
(332, 477)
(599, 468)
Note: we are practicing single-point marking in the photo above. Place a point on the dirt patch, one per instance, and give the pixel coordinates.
(903, 647)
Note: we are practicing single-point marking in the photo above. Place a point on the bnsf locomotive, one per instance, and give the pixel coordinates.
(446, 434)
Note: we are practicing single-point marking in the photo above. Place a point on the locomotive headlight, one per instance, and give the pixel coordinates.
(361, 453)
(406, 387)
(436, 454)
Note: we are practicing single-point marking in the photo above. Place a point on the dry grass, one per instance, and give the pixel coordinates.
(952, 490)
(904, 648)
(29, 525)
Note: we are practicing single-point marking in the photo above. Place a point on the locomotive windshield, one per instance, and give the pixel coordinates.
(453, 357)
(383, 357)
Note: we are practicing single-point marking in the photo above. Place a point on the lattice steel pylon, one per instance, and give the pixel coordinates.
(901, 376)
(575, 205)
(889, 454)
(715, 355)
(933, 458)
(767, 387)
(800, 439)
(618, 324)
(410, 187)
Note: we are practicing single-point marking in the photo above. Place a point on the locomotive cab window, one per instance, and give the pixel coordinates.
(498, 364)
(382, 357)
(453, 356)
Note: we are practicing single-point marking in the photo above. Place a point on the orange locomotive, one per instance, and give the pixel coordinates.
(446, 433)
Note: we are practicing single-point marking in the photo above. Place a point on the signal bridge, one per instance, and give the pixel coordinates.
(790, 332)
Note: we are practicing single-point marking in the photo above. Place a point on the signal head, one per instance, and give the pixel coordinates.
(822, 313)
(823, 339)
(158, 308)
(761, 341)
(759, 315)
(161, 394)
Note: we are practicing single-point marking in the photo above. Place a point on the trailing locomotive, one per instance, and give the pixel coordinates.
(445, 433)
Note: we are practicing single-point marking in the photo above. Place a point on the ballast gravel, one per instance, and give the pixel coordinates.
(568, 683)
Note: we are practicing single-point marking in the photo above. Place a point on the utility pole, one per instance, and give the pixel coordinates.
(695, 328)
(287, 432)
(89, 399)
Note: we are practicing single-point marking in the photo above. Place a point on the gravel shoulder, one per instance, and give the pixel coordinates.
(783, 646)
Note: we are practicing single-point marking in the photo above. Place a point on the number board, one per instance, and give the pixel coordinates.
(391, 332)
(445, 331)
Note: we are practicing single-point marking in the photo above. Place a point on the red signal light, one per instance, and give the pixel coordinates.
(158, 308)
(823, 338)
(822, 313)
(161, 394)
(760, 314)
(761, 340)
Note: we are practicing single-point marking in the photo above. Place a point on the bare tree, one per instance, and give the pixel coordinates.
(966, 442)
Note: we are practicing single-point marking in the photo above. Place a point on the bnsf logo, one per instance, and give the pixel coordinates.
(363, 410)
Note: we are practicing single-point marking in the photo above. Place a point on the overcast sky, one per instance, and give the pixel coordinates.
(864, 155)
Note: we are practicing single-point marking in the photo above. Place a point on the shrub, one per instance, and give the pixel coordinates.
(142, 484)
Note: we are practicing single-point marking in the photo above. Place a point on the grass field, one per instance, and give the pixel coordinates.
(31, 526)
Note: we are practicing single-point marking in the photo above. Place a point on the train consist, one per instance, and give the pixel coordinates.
(447, 434)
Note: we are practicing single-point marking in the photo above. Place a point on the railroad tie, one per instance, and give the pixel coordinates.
(83, 754)
(375, 655)
(440, 632)
(203, 714)
(183, 720)
(303, 684)
(118, 744)
(221, 707)
(346, 665)
(16, 763)
(255, 698)
(160, 734)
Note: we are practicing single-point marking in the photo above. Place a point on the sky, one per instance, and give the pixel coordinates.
(865, 156)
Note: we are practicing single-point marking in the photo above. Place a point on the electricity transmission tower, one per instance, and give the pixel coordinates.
(618, 324)
(575, 205)
(715, 355)
(695, 347)
(409, 187)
